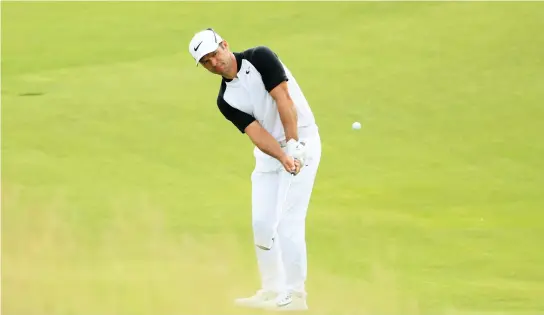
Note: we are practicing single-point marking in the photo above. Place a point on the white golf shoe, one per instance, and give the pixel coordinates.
(290, 301)
(260, 300)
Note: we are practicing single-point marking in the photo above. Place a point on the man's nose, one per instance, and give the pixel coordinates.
(213, 61)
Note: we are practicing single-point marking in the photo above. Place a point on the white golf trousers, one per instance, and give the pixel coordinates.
(279, 207)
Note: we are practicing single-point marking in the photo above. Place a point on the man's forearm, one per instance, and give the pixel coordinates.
(265, 142)
(288, 116)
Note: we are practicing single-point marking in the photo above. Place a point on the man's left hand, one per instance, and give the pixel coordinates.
(297, 150)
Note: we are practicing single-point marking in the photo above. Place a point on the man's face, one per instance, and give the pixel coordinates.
(219, 61)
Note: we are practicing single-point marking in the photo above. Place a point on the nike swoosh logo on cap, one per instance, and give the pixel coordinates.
(196, 48)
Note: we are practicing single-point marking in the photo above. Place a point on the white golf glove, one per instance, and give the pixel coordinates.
(297, 150)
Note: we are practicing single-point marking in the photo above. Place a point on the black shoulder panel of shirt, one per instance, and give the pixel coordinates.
(267, 63)
(272, 74)
(239, 118)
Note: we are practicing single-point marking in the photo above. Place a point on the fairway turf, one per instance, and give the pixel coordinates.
(124, 190)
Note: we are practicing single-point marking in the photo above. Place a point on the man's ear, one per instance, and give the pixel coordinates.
(225, 45)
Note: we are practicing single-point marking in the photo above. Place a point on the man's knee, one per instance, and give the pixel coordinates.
(264, 234)
(293, 229)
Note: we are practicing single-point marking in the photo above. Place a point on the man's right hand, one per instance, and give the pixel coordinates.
(291, 165)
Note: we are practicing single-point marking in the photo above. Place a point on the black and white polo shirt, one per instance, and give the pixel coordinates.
(246, 98)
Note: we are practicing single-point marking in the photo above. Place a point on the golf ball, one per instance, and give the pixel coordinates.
(356, 125)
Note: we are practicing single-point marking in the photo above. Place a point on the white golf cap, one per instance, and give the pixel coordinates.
(204, 42)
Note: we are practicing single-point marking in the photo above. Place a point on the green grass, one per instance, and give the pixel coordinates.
(124, 191)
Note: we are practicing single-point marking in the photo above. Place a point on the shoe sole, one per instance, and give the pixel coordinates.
(287, 307)
(251, 305)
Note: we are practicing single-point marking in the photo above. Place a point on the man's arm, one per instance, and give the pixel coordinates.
(266, 143)
(287, 110)
(259, 136)
(275, 82)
